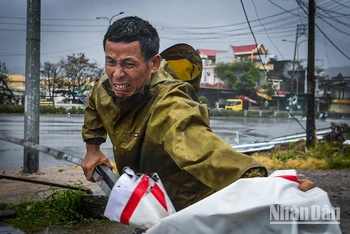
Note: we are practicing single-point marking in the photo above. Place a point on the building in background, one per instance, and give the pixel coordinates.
(213, 87)
(335, 94)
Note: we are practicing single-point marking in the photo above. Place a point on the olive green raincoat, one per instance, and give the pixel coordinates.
(164, 129)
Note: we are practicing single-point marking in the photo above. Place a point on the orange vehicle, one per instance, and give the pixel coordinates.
(238, 104)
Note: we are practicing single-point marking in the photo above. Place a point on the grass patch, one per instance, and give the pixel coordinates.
(11, 109)
(295, 163)
(43, 109)
(338, 163)
(325, 155)
(60, 208)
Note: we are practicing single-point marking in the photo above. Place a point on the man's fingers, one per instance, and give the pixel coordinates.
(92, 159)
(108, 164)
(88, 170)
(88, 174)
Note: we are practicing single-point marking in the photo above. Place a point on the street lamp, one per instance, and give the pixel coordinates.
(110, 19)
(298, 73)
(301, 28)
(296, 51)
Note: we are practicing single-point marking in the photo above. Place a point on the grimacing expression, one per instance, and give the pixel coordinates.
(126, 67)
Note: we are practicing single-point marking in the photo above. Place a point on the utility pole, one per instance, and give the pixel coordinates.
(311, 138)
(32, 86)
(301, 29)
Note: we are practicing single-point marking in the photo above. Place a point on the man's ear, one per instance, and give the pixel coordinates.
(155, 63)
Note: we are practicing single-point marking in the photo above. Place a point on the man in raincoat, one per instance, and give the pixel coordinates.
(148, 107)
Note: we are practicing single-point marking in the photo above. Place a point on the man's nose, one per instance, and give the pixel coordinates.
(118, 71)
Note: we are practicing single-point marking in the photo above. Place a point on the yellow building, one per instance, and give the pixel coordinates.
(16, 81)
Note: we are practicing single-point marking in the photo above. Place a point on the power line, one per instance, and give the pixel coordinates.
(278, 25)
(329, 40)
(53, 31)
(49, 19)
(55, 25)
(269, 78)
(54, 52)
(341, 4)
(327, 57)
(288, 11)
(266, 31)
(160, 24)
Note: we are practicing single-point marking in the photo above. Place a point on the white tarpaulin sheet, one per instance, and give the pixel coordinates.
(245, 207)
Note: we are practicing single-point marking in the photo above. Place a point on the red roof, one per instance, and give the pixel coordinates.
(209, 52)
(244, 48)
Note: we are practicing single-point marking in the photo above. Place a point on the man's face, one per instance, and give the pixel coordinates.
(126, 67)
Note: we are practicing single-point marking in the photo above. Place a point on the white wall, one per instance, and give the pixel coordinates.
(225, 57)
(208, 76)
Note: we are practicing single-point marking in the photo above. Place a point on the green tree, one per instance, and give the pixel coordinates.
(97, 72)
(241, 76)
(80, 71)
(76, 70)
(52, 71)
(267, 89)
(203, 99)
(3, 68)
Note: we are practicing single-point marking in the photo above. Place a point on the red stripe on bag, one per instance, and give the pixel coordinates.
(159, 195)
(134, 200)
(290, 177)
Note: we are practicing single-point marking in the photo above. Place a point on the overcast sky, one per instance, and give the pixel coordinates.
(70, 26)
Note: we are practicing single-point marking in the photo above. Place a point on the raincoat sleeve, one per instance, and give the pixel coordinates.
(183, 126)
(93, 131)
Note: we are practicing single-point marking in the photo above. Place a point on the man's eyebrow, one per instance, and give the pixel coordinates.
(108, 57)
(127, 59)
(124, 59)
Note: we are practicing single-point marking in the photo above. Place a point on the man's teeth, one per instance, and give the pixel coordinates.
(121, 86)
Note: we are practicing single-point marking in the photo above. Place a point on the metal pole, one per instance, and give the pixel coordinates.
(32, 85)
(310, 122)
(292, 77)
(300, 31)
(297, 77)
(297, 91)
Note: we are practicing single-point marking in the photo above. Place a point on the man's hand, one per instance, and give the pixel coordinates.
(306, 185)
(93, 158)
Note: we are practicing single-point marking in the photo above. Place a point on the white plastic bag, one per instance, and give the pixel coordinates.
(138, 200)
(249, 206)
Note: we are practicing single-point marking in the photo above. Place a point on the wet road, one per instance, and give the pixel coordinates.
(63, 132)
(255, 129)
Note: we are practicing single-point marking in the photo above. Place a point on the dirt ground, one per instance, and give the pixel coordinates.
(16, 191)
(335, 182)
(12, 191)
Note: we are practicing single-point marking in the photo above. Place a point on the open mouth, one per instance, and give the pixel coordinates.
(121, 86)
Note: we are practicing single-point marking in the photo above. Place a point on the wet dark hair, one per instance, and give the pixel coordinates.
(133, 28)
